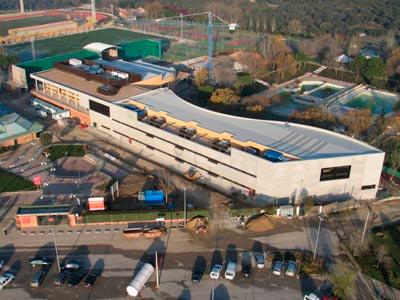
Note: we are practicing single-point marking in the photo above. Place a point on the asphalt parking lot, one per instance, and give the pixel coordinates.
(118, 260)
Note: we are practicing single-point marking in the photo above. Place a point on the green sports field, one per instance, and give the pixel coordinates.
(74, 42)
(12, 24)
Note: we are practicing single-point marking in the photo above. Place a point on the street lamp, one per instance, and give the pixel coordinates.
(55, 247)
(316, 242)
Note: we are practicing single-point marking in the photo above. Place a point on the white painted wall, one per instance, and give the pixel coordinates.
(273, 180)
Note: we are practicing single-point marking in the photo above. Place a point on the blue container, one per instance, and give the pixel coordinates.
(154, 197)
(273, 155)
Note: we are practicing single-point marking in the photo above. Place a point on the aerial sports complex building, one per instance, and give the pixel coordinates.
(267, 160)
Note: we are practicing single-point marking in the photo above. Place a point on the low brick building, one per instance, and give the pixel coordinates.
(15, 129)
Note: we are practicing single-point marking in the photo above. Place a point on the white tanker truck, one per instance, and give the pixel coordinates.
(137, 283)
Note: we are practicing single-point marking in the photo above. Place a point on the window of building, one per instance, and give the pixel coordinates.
(179, 160)
(99, 108)
(213, 161)
(150, 147)
(368, 187)
(212, 174)
(335, 173)
(149, 135)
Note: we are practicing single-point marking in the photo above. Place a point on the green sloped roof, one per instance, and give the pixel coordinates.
(48, 62)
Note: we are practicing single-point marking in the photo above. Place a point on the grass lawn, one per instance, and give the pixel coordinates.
(12, 183)
(59, 151)
(75, 42)
(245, 79)
(390, 238)
(12, 24)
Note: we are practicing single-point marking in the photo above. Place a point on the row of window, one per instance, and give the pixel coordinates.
(183, 148)
(181, 160)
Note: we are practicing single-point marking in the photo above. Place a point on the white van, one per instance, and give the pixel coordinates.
(41, 114)
(5, 279)
(230, 271)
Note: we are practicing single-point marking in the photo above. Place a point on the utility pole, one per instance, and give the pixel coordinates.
(55, 247)
(33, 48)
(365, 226)
(181, 16)
(210, 43)
(316, 242)
(184, 207)
(157, 278)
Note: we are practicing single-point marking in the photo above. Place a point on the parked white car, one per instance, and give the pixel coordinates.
(291, 268)
(216, 271)
(277, 268)
(230, 271)
(311, 297)
(260, 260)
(5, 279)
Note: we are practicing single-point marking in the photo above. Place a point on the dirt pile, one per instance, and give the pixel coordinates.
(262, 222)
(197, 224)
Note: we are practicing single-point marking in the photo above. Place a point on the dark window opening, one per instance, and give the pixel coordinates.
(150, 147)
(212, 174)
(179, 160)
(368, 187)
(150, 135)
(105, 127)
(335, 173)
(99, 108)
(213, 161)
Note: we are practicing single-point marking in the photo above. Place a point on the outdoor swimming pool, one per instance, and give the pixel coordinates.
(377, 102)
(325, 91)
(309, 85)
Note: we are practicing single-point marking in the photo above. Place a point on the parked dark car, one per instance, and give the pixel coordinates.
(62, 277)
(76, 277)
(91, 279)
(246, 270)
(197, 274)
(37, 278)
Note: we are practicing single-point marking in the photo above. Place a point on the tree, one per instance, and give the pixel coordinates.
(153, 9)
(166, 183)
(295, 27)
(201, 77)
(381, 253)
(224, 96)
(286, 64)
(342, 278)
(278, 47)
(395, 159)
(393, 62)
(314, 116)
(357, 121)
(254, 62)
(273, 25)
(396, 107)
(5, 62)
(223, 71)
(46, 138)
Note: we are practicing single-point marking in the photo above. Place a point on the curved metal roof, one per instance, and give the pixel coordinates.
(98, 47)
(303, 141)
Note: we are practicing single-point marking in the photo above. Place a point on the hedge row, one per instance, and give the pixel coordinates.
(116, 216)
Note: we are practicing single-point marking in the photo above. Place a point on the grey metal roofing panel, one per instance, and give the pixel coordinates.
(303, 141)
(146, 70)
